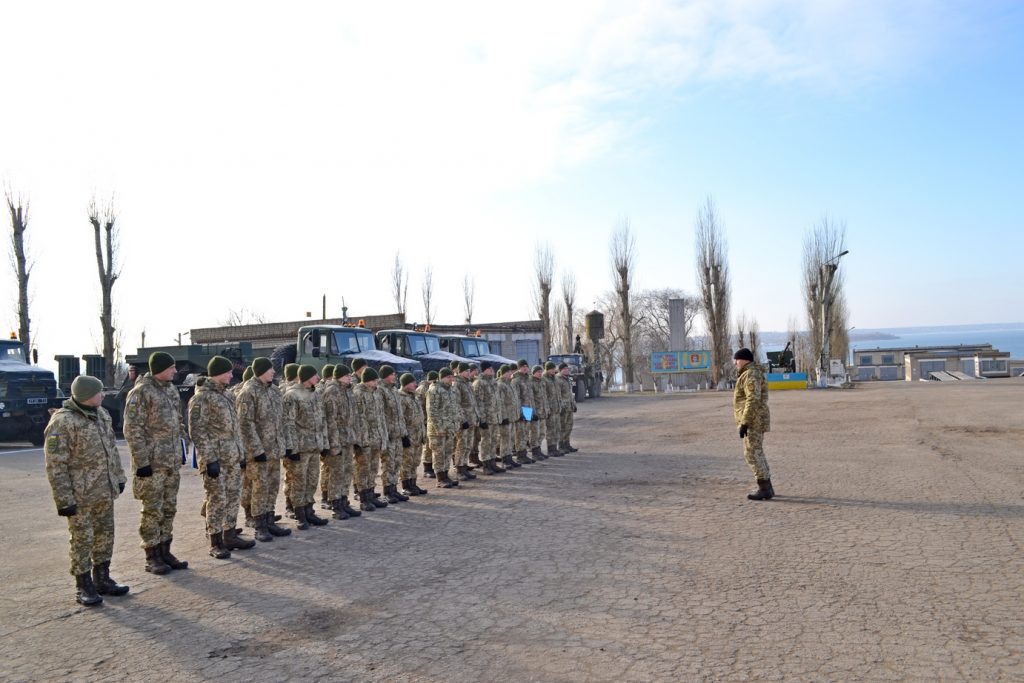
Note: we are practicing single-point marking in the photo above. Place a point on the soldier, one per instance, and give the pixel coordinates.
(304, 442)
(486, 394)
(358, 367)
(336, 468)
(371, 438)
(259, 420)
(213, 425)
(233, 392)
(421, 397)
(326, 378)
(508, 403)
(568, 408)
(444, 419)
(398, 436)
(415, 426)
(540, 412)
(553, 426)
(750, 407)
(154, 431)
(84, 469)
(291, 376)
(523, 429)
(470, 420)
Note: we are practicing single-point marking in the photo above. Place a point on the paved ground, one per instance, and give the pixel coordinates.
(893, 552)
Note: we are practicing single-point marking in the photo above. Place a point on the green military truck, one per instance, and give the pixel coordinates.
(581, 375)
(476, 349)
(419, 345)
(27, 393)
(320, 345)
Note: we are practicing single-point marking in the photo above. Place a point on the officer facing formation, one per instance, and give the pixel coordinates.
(750, 408)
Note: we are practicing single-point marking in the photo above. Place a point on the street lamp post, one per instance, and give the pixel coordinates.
(826, 276)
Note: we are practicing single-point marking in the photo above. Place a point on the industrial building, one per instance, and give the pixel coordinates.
(961, 362)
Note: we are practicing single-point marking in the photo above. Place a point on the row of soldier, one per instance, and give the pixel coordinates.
(335, 433)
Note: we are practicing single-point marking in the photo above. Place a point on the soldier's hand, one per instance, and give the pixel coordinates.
(325, 452)
(357, 448)
(144, 472)
(262, 457)
(294, 457)
(743, 431)
(213, 469)
(120, 487)
(465, 425)
(68, 511)
(505, 421)
(241, 464)
(484, 425)
(406, 441)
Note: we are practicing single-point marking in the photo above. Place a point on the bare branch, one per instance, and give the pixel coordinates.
(468, 294)
(569, 301)
(105, 219)
(399, 285)
(19, 210)
(622, 250)
(715, 289)
(823, 284)
(427, 291)
(544, 273)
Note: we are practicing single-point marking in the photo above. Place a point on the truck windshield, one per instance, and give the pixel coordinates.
(353, 341)
(483, 348)
(12, 352)
(420, 344)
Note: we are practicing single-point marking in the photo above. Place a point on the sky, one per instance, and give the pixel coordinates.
(261, 156)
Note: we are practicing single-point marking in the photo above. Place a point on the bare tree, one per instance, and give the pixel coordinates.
(399, 284)
(18, 209)
(237, 317)
(754, 335)
(544, 271)
(623, 257)
(569, 301)
(741, 330)
(103, 222)
(427, 291)
(715, 289)
(468, 294)
(823, 282)
(559, 343)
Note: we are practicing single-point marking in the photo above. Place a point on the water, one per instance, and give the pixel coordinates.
(1002, 336)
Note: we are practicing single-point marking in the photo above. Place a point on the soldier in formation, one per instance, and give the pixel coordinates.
(336, 470)
(485, 393)
(421, 396)
(524, 442)
(304, 442)
(750, 408)
(508, 411)
(568, 408)
(444, 421)
(371, 437)
(398, 437)
(415, 421)
(470, 421)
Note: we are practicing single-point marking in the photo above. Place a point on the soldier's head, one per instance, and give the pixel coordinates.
(502, 370)
(247, 375)
(358, 366)
(474, 370)
(161, 366)
(522, 367)
(308, 376)
(432, 376)
(743, 357)
(263, 369)
(549, 368)
(407, 382)
(291, 371)
(387, 375)
(464, 369)
(538, 371)
(446, 376)
(486, 369)
(343, 374)
(563, 369)
(369, 378)
(454, 365)
(327, 373)
(220, 370)
(87, 391)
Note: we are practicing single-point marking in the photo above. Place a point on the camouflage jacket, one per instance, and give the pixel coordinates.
(508, 399)
(565, 392)
(259, 419)
(486, 395)
(213, 424)
(372, 429)
(303, 424)
(467, 401)
(393, 410)
(421, 393)
(540, 397)
(524, 390)
(413, 415)
(153, 425)
(337, 400)
(750, 399)
(82, 462)
(554, 396)
(444, 415)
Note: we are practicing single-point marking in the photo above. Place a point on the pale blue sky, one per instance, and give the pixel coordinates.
(263, 155)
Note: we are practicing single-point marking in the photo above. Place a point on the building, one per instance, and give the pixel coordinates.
(964, 361)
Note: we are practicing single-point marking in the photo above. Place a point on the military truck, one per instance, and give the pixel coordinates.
(419, 345)
(581, 374)
(27, 393)
(320, 345)
(475, 348)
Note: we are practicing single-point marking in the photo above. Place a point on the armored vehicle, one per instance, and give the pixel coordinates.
(27, 393)
(420, 345)
(320, 345)
(476, 349)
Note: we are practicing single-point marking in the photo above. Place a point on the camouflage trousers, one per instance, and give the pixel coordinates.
(506, 439)
(427, 455)
(158, 494)
(265, 482)
(753, 453)
(366, 464)
(553, 430)
(463, 445)
(409, 461)
(566, 422)
(92, 536)
(443, 447)
(537, 431)
(301, 478)
(336, 474)
(246, 500)
(391, 462)
(222, 496)
(521, 429)
(488, 443)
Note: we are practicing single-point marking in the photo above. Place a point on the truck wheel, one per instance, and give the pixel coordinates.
(581, 389)
(282, 356)
(36, 437)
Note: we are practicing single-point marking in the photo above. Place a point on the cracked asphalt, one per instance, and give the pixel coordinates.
(892, 552)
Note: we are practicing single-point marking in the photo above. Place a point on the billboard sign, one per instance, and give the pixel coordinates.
(680, 361)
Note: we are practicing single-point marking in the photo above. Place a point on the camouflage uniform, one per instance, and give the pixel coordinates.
(421, 397)
(154, 431)
(246, 498)
(305, 437)
(568, 407)
(336, 470)
(508, 400)
(464, 437)
(391, 458)
(444, 417)
(84, 469)
(415, 426)
(485, 394)
(540, 411)
(259, 419)
(213, 424)
(750, 407)
(523, 429)
(372, 433)
(553, 426)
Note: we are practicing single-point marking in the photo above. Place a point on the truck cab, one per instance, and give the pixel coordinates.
(476, 349)
(320, 345)
(27, 393)
(419, 345)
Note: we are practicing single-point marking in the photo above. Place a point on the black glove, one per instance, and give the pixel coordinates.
(574, 409)
(68, 511)
(465, 425)
(505, 421)
(743, 431)
(294, 457)
(146, 471)
(262, 457)
(241, 464)
(213, 469)
(484, 425)
(120, 487)
(357, 448)
(325, 452)
(406, 442)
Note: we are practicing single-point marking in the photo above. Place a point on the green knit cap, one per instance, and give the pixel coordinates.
(445, 372)
(563, 366)
(341, 370)
(406, 378)
(537, 368)
(386, 371)
(358, 364)
(261, 365)
(218, 365)
(549, 366)
(328, 371)
(521, 363)
(160, 361)
(291, 371)
(463, 367)
(432, 375)
(454, 365)
(85, 387)
(503, 369)
(247, 375)
(369, 374)
(306, 372)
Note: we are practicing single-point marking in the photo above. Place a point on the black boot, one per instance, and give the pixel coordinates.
(771, 489)
(312, 518)
(443, 482)
(474, 459)
(407, 489)
(391, 494)
(169, 559)
(553, 451)
(524, 459)
(87, 594)
(274, 528)
(337, 511)
(416, 487)
(352, 512)
(104, 584)
(569, 447)
(300, 518)
(428, 470)
(537, 454)
(232, 541)
(495, 466)
(462, 473)
(263, 534)
(217, 548)
(762, 492)
(377, 500)
(155, 561)
(486, 469)
(509, 462)
(364, 501)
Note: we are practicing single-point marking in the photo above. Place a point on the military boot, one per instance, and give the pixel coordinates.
(312, 518)
(169, 559)
(474, 459)
(337, 511)
(536, 453)
(352, 512)
(217, 548)
(300, 518)
(262, 533)
(232, 541)
(86, 594)
(569, 447)
(428, 470)
(249, 521)
(486, 469)
(377, 500)
(443, 482)
(364, 501)
(274, 528)
(509, 462)
(553, 451)
(416, 487)
(771, 489)
(524, 459)
(104, 584)
(463, 473)
(407, 490)
(498, 469)
(763, 491)
(155, 561)
(391, 494)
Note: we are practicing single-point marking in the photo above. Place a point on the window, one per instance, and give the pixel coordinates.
(888, 359)
(417, 345)
(346, 342)
(867, 360)
(993, 365)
